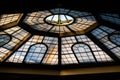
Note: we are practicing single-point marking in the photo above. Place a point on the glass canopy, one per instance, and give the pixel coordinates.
(59, 37)
(61, 22)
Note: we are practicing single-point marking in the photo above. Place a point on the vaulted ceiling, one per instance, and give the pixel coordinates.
(97, 8)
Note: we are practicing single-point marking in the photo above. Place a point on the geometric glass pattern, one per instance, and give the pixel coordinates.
(71, 54)
(4, 39)
(113, 18)
(98, 53)
(50, 54)
(103, 33)
(58, 37)
(8, 18)
(67, 54)
(17, 36)
(83, 53)
(60, 21)
(35, 53)
(115, 38)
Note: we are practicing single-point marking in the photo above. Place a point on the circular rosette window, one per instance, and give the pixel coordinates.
(59, 20)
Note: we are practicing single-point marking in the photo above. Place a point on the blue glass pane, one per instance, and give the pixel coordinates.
(99, 54)
(35, 53)
(83, 53)
(114, 18)
(4, 39)
(115, 38)
(110, 41)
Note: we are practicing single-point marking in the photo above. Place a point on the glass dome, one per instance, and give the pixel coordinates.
(59, 37)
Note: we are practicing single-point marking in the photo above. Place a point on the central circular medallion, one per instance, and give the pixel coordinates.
(59, 20)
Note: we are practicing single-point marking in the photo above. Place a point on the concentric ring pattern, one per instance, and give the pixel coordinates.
(80, 40)
(83, 22)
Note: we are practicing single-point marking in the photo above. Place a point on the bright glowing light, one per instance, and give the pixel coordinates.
(59, 20)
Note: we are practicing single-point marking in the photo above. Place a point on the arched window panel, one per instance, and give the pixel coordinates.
(83, 52)
(35, 53)
(100, 55)
(17, 34)
(114, 18)
(19, 55)
(4, 39)
(67, 54)
(5, 50)
(51, 56)
(102, 33)
(115, 38)
(8, 18)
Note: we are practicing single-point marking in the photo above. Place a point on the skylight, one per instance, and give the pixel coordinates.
(62, 22)
(59, 20)
(57, 37)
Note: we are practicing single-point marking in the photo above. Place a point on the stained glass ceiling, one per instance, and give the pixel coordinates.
(80, 38)
(62, 22)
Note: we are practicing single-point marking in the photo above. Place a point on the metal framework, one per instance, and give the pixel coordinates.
(100, 21)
